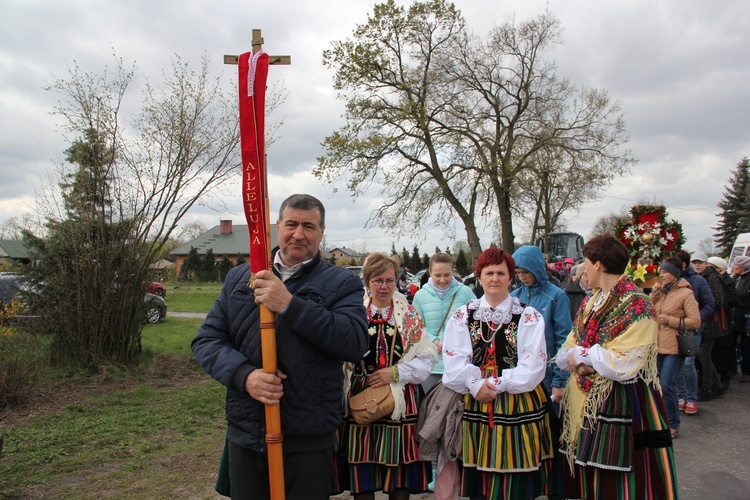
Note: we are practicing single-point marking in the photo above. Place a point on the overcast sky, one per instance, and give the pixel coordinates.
(680, 69)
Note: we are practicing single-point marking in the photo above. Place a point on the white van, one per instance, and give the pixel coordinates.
(741, 247)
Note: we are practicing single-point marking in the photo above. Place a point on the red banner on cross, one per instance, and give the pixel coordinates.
(253, 73)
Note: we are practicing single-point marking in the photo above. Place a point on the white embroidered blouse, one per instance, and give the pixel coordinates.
(462, 376)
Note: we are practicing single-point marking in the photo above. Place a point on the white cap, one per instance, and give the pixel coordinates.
(699, 256)
(718, 262)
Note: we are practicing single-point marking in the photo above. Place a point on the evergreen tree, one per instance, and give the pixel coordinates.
(414, 260)
(462, 263)
(404, 257)
(89, 269)
(240, 260)
(191, 267)
(393, 249)
(735, 208)
(208, 266)
(223, 266)
(86, 191)
(425, 261)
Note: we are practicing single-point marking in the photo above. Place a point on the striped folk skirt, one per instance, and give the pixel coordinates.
(383, 455)
(627, 453)
(508, 450)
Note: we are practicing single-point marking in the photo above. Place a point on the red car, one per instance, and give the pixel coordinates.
(157, 289)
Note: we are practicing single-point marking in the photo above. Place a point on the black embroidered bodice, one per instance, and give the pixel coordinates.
(493, 345)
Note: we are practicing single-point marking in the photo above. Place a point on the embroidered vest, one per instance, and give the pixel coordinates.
(493, 349)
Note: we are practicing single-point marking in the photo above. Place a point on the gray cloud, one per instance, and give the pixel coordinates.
(679, 68)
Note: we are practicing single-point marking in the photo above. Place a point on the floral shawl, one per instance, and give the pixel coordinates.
(415, 340)
(623, 324)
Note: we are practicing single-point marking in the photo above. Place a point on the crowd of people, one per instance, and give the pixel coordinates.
(569, 384)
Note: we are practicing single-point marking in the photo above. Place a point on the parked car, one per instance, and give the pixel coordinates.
(417, 278)
(156, 308)
(15, 286)
(10, 284)
(157, 289)
(357, 270)
(470, 280)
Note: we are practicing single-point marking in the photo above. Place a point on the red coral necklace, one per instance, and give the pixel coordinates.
(381, 347)
(381, 320)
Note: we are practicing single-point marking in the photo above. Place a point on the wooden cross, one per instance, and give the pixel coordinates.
(274, 436)
(257, 45)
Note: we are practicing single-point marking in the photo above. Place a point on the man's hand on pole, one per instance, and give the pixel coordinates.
(271, 291)
(265, 387)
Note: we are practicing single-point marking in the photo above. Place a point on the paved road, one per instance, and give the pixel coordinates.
(186, 314)
(713, 448)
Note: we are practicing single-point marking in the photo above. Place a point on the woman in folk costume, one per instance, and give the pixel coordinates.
(383, 455)
(615, 432)
(494, 352)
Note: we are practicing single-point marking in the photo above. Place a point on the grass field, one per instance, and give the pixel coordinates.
(191, 297)
(153, 430)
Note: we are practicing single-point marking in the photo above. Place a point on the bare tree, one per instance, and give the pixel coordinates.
(124, 196)
(391, 138)
(708, 246)
(520, 118)
(447, 122)
(13, 227)
(555, 187)
(607, 224)
(191, 231)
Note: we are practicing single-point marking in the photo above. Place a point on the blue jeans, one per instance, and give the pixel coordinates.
(669, 366)
(687, 380)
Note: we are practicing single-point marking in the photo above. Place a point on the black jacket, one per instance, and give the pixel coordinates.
(575, 294)
(324, 325)
(742, 295)
(716, 326)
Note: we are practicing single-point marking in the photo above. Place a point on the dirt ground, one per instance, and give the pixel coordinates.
(51, 398)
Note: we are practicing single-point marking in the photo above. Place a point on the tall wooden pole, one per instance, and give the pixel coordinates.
(251, 197)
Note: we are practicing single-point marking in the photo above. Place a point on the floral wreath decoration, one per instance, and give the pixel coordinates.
(648, 237)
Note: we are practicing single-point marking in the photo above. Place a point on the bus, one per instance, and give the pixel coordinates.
(561, 245)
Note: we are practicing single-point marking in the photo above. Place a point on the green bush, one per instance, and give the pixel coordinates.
(25, 356)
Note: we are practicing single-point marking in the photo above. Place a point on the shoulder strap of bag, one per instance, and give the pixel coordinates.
(393, 344)
(447, 313)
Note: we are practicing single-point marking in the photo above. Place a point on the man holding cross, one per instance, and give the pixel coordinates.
(320, 323)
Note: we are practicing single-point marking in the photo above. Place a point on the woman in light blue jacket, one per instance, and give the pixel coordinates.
(437, 300)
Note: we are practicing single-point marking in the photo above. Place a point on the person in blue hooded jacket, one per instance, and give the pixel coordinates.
(552, 302)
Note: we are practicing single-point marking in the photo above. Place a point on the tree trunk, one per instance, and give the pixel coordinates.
(506, 218)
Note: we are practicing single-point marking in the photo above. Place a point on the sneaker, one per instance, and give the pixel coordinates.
(681, 404)
(691, 408)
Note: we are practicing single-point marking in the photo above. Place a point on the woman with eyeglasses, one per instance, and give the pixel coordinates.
(495, 354)
(383, 455)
